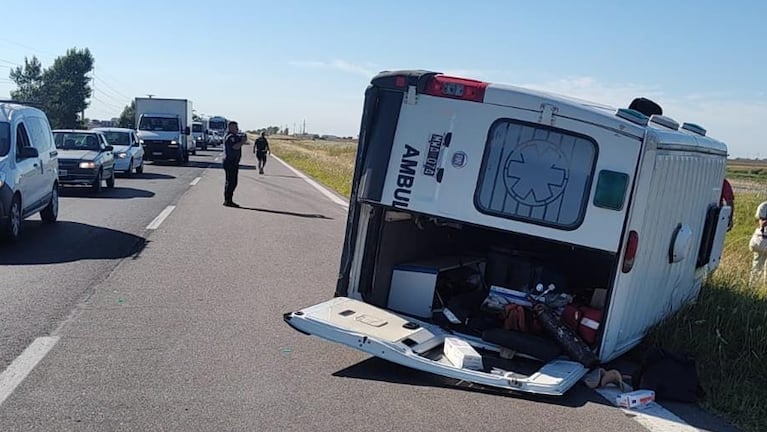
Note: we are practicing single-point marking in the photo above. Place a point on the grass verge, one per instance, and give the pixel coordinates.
(329, 162)
(726, 328)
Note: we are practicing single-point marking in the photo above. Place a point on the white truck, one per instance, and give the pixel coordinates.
(528, 225)
(164, 128)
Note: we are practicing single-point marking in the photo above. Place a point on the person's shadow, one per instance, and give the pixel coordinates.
(288, 213)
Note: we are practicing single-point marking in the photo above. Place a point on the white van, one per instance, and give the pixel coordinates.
(476, 197)
(28, 168)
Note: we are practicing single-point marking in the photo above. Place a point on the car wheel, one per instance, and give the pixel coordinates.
(140, 168)
(51, 213)
(111, 181)
(97, 183)
(14, 222)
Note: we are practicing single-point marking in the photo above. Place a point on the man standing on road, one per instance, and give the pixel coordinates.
(233, 142)
(261, 149)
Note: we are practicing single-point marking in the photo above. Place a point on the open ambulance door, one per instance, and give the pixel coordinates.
(419, 345)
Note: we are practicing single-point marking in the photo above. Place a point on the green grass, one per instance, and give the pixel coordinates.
(726, 328)
(330, 163)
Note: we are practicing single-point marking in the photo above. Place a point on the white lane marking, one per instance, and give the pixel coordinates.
(195, 181)
(330, 195)
(160, 218)
(24, 364)
(654, 417)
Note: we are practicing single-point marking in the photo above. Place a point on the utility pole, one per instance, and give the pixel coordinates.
(304, 126)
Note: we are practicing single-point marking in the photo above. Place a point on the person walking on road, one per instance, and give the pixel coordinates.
(261, 149)
(759, 264)
(233, 142)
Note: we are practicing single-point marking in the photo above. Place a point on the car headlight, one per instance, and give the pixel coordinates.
(122, 155)
(87, 165)
(173, 142)
(141, 141)
(2, 179)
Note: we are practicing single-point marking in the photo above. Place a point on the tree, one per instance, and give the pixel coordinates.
(66, 88)
(128, 116)
(29, 81)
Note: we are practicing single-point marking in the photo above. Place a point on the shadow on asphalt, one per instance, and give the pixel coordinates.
(375, 369)
(116, 193)
(64, 242)
(287, 213)
(146, 176)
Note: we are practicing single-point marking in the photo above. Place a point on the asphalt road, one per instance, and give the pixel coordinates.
(181, 329)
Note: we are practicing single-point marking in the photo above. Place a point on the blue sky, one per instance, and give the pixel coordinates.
(278, 63)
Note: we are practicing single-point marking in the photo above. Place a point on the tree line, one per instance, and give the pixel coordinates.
(61, 90)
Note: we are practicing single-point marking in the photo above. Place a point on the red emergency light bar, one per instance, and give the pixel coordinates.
(456, 88)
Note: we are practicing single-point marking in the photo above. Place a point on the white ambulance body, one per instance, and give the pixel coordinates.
(614, 200)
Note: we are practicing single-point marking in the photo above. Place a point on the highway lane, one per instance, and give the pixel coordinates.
(56, 266)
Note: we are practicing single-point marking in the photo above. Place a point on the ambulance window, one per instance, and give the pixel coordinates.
(536, 174)
(611, 190)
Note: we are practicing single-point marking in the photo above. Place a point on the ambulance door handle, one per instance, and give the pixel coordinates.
(446, 144)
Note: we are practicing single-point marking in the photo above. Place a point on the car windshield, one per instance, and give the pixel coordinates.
(218, 125)
(76, 141)
(197, 128)
(5, 138)
(159, 124)
(118, 138)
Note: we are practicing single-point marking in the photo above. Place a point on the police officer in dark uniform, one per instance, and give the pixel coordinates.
(261, 149)
(233, 142)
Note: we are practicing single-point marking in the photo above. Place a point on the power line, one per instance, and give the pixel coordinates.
(109, 87)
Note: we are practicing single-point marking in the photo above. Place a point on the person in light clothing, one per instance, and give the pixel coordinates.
(758, 268)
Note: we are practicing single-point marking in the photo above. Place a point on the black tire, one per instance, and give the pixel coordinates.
(51, 213)
(13, 225)
(140, 168)
(97, 183)
(111, 181)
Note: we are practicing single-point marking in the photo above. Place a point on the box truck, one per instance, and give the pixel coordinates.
(164, 128)
(548, 233)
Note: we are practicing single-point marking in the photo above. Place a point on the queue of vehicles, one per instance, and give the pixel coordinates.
(36, 160)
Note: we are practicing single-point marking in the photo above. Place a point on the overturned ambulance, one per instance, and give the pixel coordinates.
(513, 238)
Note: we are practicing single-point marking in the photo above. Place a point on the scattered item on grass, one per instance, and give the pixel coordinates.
(672, 376)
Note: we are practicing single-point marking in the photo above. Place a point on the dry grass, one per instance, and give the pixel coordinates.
(329, 162)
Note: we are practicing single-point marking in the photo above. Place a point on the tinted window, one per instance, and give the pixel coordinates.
(536, 174)
(118, 138)
(5, 138)
(196, 128)
(611, 190)
(159, 124)
(76, 141)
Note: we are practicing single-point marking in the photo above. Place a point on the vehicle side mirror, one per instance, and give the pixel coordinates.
(28, 153)
(187, 131)
(109, 148)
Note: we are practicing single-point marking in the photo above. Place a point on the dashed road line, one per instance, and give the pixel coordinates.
(161, 217)
(195, 181)
(653, 417)
(24, 364)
